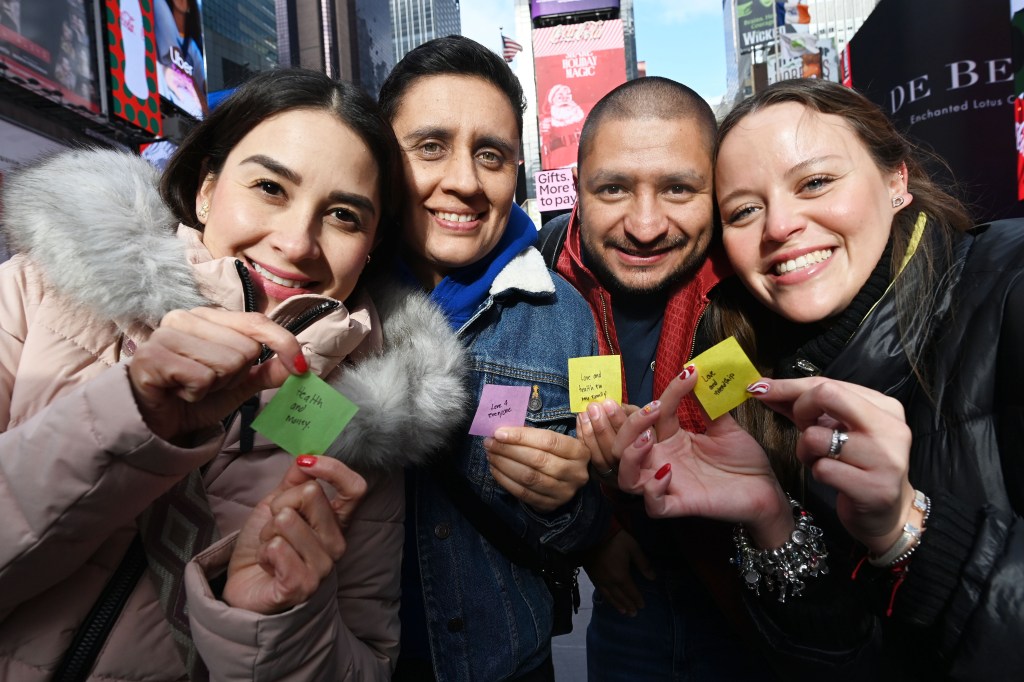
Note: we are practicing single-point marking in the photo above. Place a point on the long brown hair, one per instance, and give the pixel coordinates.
(737, 313)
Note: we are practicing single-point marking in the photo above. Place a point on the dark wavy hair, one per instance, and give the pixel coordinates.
(206, 147)
(737, 313)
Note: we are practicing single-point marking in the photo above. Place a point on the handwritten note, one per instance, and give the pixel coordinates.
(500, 406)
(725, 372)
(594, 378)
(305, 416)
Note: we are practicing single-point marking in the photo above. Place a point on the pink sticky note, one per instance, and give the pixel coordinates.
(500, 406)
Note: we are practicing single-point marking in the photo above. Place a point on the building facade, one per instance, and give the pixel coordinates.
(241, 40)
(417, 21)
(746, 68)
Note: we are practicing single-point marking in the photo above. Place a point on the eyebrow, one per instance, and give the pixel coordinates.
(336, 197)
(504, 144)
(797, 169)
(275, 167)
(615, 177)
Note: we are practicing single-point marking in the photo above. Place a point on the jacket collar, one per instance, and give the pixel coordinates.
(525, 273)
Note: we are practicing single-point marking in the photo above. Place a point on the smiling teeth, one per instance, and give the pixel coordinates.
(290, 283)
(803, 261)
(456, 217)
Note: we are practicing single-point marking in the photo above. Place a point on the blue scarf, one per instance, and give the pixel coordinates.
(463, 290)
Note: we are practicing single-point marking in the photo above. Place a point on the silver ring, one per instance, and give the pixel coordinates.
(606, 474)
(839, 439)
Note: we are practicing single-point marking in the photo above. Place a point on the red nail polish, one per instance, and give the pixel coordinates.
(663, 471)
(300, 364)
(651, 406)
(643, 439)
(758, 388)
(687, 372)
(305, 460)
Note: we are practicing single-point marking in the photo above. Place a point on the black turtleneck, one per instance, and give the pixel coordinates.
(823, 343)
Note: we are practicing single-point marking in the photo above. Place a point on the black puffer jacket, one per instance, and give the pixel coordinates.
(959, 613)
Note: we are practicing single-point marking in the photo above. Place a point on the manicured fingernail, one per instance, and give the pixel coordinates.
(663, 471)
(687, 372)
(301, 366)
(652, 406)
(758, 388)
(644, 438)
(305, 460)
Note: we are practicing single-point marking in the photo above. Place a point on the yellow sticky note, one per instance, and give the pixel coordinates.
(725, 372)
(597, 377)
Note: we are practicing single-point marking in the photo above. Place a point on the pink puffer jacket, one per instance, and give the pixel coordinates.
(98, 264)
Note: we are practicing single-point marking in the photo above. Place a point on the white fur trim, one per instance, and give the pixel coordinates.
(527, 272)
(412, 394)
(94, 222)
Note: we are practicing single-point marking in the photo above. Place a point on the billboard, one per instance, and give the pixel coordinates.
(131, 60)
(954, 96)
(48, 45)
(576, 65)
(544, 8)
(755, 23)
(181, 65)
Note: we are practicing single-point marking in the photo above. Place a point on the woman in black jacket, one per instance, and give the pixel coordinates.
(890, 336)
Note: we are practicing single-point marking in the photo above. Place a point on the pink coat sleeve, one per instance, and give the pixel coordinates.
(348, 630)
(74, 474)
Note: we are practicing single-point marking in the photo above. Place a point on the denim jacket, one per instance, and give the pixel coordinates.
(487, 618)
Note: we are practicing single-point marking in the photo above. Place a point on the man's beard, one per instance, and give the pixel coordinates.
(610, 280)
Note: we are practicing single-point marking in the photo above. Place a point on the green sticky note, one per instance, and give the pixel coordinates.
(305, 416)
(725, 372)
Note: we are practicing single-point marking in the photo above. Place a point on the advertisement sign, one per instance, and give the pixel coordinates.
(1017, 39)
(555, 190)
(824, 64)
(955, 96)
(576, 65)
(544, 8)
(48, 45)
(131, 59)
(181, 66)
(755, 23)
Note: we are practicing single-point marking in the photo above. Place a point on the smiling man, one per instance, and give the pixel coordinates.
(636, 246)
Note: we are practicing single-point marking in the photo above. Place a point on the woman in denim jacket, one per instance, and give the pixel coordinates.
(468, 612)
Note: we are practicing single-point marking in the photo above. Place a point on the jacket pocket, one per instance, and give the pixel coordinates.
(548, 406)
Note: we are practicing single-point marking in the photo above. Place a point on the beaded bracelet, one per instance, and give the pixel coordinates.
(787, 567)
(909, 540)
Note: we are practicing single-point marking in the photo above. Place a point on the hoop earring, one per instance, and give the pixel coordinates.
(897, 201)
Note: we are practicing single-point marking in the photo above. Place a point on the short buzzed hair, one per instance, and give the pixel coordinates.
(652, 97)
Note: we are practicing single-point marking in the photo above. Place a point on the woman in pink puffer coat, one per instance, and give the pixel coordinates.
(127, 351)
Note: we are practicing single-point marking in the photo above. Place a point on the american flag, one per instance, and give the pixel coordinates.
(509, 48)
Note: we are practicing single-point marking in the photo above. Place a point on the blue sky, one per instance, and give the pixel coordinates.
(679, 39)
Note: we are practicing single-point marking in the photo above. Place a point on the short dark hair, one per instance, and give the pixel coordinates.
(455, 55)
(206, 147)
(652, 97)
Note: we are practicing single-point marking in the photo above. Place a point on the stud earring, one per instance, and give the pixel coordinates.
(368, 259)
(204, 211)
(897, 201)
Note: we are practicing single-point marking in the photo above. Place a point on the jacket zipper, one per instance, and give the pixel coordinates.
(93, 633)
(604, 318)
(246, 436)
(297, 325)
(696, 328)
